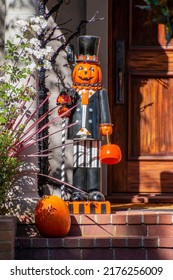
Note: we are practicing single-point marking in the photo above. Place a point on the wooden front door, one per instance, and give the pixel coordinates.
(141, 100)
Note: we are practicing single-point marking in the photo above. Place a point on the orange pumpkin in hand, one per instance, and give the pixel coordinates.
(106, 129)
(52, 217)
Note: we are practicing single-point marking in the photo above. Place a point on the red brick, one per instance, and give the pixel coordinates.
(6, 246)
(85, 242)
(159, 254)
(150, 217)
(150, 241)
(31, 254)
(103, 219)
(39, 242)
(23, 254)
(102, 242)
(166, 242)
(88, 219)
(165, 218)
(55, 242)
(97, 254)
(7, 223)
(134, 242)
(119, 242)
(119, 218)
(71, 242)
(23, 242)
(6, 235)
(130, 254)
(39, 254)
(131, 230)
(6, 256)
(65, 254)
(160, 230)
(134, 217)
(98, 230)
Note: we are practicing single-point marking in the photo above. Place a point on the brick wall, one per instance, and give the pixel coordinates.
(7, 237)
(124, 235)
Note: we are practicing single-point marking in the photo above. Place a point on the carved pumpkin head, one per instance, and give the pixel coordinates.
(87, 73)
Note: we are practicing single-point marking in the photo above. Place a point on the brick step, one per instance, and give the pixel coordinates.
(121, 235)
(103, 248)
(121, 223)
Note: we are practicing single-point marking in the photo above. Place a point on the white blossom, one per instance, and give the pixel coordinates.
(37, 29)
(35, 42)
(40, 20)
(32, 66)
(24, 40)
(34, 27)
(47, 65)
(23, 25)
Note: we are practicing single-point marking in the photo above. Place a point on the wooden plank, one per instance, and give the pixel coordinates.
(150, 176)
(151, 60)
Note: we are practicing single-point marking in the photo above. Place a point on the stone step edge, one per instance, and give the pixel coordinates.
(94, 242)
(120, 217)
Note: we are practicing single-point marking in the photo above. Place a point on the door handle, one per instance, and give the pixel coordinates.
(119, 71)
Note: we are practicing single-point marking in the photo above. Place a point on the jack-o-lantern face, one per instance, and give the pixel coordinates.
(87, 73)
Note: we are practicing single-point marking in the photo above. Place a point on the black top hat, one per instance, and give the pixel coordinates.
(88, 48)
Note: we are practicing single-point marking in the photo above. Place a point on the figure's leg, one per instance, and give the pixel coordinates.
(79, 171)
(86, 170)
(80, 178)
(94, 172)
(80, 182)
(93, 179)
(94, 184)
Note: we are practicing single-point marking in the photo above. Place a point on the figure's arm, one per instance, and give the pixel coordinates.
(105, 124)
(74, 97)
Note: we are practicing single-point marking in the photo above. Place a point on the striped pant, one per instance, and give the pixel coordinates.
(86, 166)
(86, 153)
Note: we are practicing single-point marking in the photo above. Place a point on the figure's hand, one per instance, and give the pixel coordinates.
(106, 129)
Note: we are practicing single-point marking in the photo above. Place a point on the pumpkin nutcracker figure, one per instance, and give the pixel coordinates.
(93, 119)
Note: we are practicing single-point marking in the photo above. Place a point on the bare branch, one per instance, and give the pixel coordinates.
(54, 9)
(75, 34)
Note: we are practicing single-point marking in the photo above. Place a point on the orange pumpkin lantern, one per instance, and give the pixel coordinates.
(87, 73)
(65, 111)
(52, 216)
(63, 98)
(110, 154)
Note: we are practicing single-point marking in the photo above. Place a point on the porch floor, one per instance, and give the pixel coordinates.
(140, 206)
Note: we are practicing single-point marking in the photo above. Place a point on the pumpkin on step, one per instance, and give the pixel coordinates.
(52, 216)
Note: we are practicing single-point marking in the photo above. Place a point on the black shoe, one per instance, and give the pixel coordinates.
(78, 196)
(96, 196)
